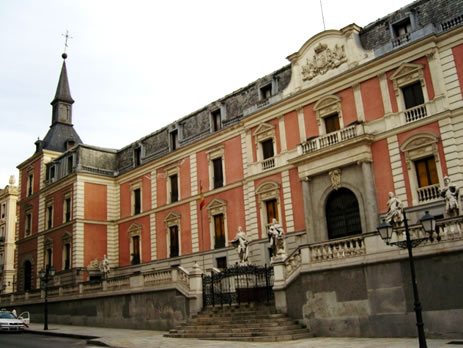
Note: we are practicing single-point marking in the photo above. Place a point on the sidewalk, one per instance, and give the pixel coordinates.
(125, 338)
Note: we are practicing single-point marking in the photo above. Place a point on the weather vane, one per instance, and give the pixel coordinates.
(66, 41)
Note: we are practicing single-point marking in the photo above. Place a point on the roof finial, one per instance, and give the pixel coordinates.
(64, 55)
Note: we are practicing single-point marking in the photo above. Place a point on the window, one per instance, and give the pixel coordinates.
(27, 276)
(52, 172)
(137, 156)
(267, 149)
(219, 231)
(3, 210)
(402, 28)
(2, 234)
(28, 224)
(426, 172)
(135, 260)
(49, 216)
(67, 208)
(67, 256)
(30, 183)
(136, 201)
(216, 117)
(271, 210)
(266, 91)
(48, 256)
(173, 140)
(218, 172)
(69, 164)
(342, 214)
(413, 95)
(221, 262)
(174, 248)
(332, 123)
(173, 180)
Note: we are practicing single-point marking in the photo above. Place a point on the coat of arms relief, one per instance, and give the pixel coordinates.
(325, 59)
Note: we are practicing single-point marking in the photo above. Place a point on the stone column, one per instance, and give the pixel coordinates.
(196, 289)
(370, 210)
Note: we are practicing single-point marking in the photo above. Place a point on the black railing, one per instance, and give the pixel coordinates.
(238, 284)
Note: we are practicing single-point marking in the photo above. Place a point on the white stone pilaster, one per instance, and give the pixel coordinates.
(193, 175)
(154, 201)
(153, 236)
(194, 226)
(250, 210)
(282, 128)
(451, 131)
(287, 201)
(40, 255)
(385, 94)
(397, 169)
(358, 102)
(451, 82)
(301, 123)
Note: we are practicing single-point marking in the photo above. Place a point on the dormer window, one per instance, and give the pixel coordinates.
(137, 156)
(266, 91)
(402, 28)
(216, 120)
(69, 144)
(69, 164)
(174, 140)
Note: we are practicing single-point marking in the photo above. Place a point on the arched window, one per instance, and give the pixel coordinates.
(342, 214)
(27, 276)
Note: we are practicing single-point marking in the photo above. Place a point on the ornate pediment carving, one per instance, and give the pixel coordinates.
(325, 59)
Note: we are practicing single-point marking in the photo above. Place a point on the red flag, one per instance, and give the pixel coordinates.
(202, 201)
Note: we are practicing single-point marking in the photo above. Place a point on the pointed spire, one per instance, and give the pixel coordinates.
(63, 93)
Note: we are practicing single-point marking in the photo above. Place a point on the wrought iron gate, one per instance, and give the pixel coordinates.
(238, 284)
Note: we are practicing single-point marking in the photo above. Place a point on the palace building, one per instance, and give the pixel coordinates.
(317, 145)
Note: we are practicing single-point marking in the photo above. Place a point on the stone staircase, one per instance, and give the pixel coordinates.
(249, 322)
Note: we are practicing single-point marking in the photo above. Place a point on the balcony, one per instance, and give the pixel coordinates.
(332, 139)
(268, 163)
(416, 113)
(428, 194)
(401, 40)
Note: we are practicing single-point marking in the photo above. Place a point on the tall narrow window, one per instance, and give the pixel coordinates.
(30, 182)
(67, 209)
(27, 276)
(67, 256)
(332, 123)
(48, 257)
(216, 120)
(173, 188)
(136, 201)
(426, 172)
(28, 224)
(218, 172)
(3, 210)
(219, 231)
(272, 210)
(267, 148)
(135, 250)
(174, 241)
(137, 156)
(173, 140)
(49, 216)
(413, 95)
(69, 166)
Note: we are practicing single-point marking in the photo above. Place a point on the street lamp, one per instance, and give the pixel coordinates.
(385, 230)
(45, 276)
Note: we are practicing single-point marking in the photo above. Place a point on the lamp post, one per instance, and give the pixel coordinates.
(45, 276)
(385, 230)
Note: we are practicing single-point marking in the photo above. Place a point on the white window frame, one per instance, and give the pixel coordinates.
(415, 148)
(67, 196)
(215, 207)
(66, 239)
(47, 245)
(135, 230)
(170, 172)
(325, 107)
(173, 219)
(405, 75)
(219, 152)
(266, 191)
(48, 204)
(262, 133)
(30, 183)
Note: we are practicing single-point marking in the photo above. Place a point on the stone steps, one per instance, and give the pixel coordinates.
(255, 323)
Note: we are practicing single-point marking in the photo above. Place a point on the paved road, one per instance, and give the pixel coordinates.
(29, 340)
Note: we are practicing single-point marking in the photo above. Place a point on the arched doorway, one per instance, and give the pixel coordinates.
(27, 276)
(342, 214)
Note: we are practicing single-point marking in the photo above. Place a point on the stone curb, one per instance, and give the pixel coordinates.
(88, 338)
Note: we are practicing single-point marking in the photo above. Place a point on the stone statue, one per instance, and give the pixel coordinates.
(105, 268)
(451, 194)
(276, 237)
(241, 242)
(394, 214)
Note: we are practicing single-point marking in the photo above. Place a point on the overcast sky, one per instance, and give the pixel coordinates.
(136, 66)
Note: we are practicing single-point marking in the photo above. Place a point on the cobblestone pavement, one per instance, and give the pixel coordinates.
(125, 338)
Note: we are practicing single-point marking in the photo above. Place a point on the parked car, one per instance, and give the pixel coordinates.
(9, 322)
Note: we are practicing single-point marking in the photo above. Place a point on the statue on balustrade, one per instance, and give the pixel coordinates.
(105, 268)
(276, 237)
(451, 194)
(241, 242)
(394, 214)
